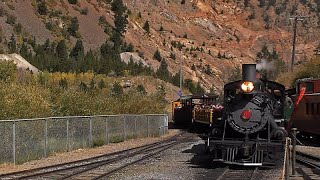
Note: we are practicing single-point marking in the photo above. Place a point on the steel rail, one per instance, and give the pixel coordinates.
(78, 163)
(108, 174)
(91, 167)
(308, 160)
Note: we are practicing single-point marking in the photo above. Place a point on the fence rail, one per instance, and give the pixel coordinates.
(27, 139)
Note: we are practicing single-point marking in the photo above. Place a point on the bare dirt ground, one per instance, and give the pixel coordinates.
(82, 153)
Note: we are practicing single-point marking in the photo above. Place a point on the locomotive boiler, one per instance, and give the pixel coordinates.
(251, 131)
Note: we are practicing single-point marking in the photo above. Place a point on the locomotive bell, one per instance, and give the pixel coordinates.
(249, 72)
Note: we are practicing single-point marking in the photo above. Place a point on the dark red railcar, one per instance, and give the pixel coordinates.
(307, 113)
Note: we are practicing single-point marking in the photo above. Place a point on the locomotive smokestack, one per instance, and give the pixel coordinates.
(249, 72)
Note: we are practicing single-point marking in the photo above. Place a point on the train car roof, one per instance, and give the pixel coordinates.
(204, 96)
(307, 79)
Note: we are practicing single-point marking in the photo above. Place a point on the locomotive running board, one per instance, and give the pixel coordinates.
(237, 163)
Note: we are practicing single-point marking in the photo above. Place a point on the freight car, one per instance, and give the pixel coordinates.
(306, 114)
(196, 110)
(251, 131)
(205, 111)
(182, 111)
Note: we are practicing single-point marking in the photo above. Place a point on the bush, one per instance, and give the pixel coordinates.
(11, 19)
(24, 101)
(84, 11)
(8, 71)
(157, 55)
(73, 1)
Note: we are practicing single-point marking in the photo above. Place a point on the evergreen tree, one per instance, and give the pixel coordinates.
(74, 27)
(120, 16)
(101, 84)
(146, 27)
(246, 3)
(62, 55)
(157, 55)
(12, 44)
(141, 89)
(78, 51)
(117, 89)
(92, 84)
(73, 1)
(42, 7)
(61, 50)
(63, 83)
(163, 72)
(83, 87)
(176, 79)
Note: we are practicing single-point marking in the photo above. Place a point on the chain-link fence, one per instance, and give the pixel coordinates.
(27, 139)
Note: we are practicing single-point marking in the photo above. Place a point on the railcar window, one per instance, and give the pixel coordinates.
(309, 87)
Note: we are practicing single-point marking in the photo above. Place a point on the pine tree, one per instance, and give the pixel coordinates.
(163, 72)
(62, 55)
(117, 89)
(61, 50)
(92, 84)
(157, 55)
(83, 87)
(63, 83)
(120, 16)
(176, 79)
(78, 51)
(146, 27)
(73, 1)
(42, 7)
(12, 44)
(74, 27)
(101, 84)
(141, 89)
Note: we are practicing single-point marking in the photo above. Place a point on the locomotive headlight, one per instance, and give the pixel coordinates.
(247, 86)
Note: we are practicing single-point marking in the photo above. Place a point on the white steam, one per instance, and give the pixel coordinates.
(265, 65)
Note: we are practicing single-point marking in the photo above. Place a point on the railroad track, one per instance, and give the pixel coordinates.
(97, 167)
(308, 160)
(245, 173)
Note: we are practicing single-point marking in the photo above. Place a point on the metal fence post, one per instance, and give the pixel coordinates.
(287, 160)
(167, 124)
(164, 124)
(135, 127)
(14, 142)
(107, 133)
(124, 127)
(90, 132)
(68, 143)
(45, 137)
(148, 125)
(294, 131)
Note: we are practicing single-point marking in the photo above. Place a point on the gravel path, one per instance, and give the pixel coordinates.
(185, 161)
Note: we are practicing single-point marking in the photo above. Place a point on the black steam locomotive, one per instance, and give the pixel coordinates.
(251, 131)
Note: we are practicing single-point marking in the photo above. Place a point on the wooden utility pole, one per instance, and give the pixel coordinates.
(295, 19)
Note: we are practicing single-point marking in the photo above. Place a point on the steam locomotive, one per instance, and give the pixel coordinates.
(251, 131)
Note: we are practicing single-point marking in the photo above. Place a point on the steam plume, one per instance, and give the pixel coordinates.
(265, 65)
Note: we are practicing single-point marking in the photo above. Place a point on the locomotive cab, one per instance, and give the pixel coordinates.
(251, 131)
